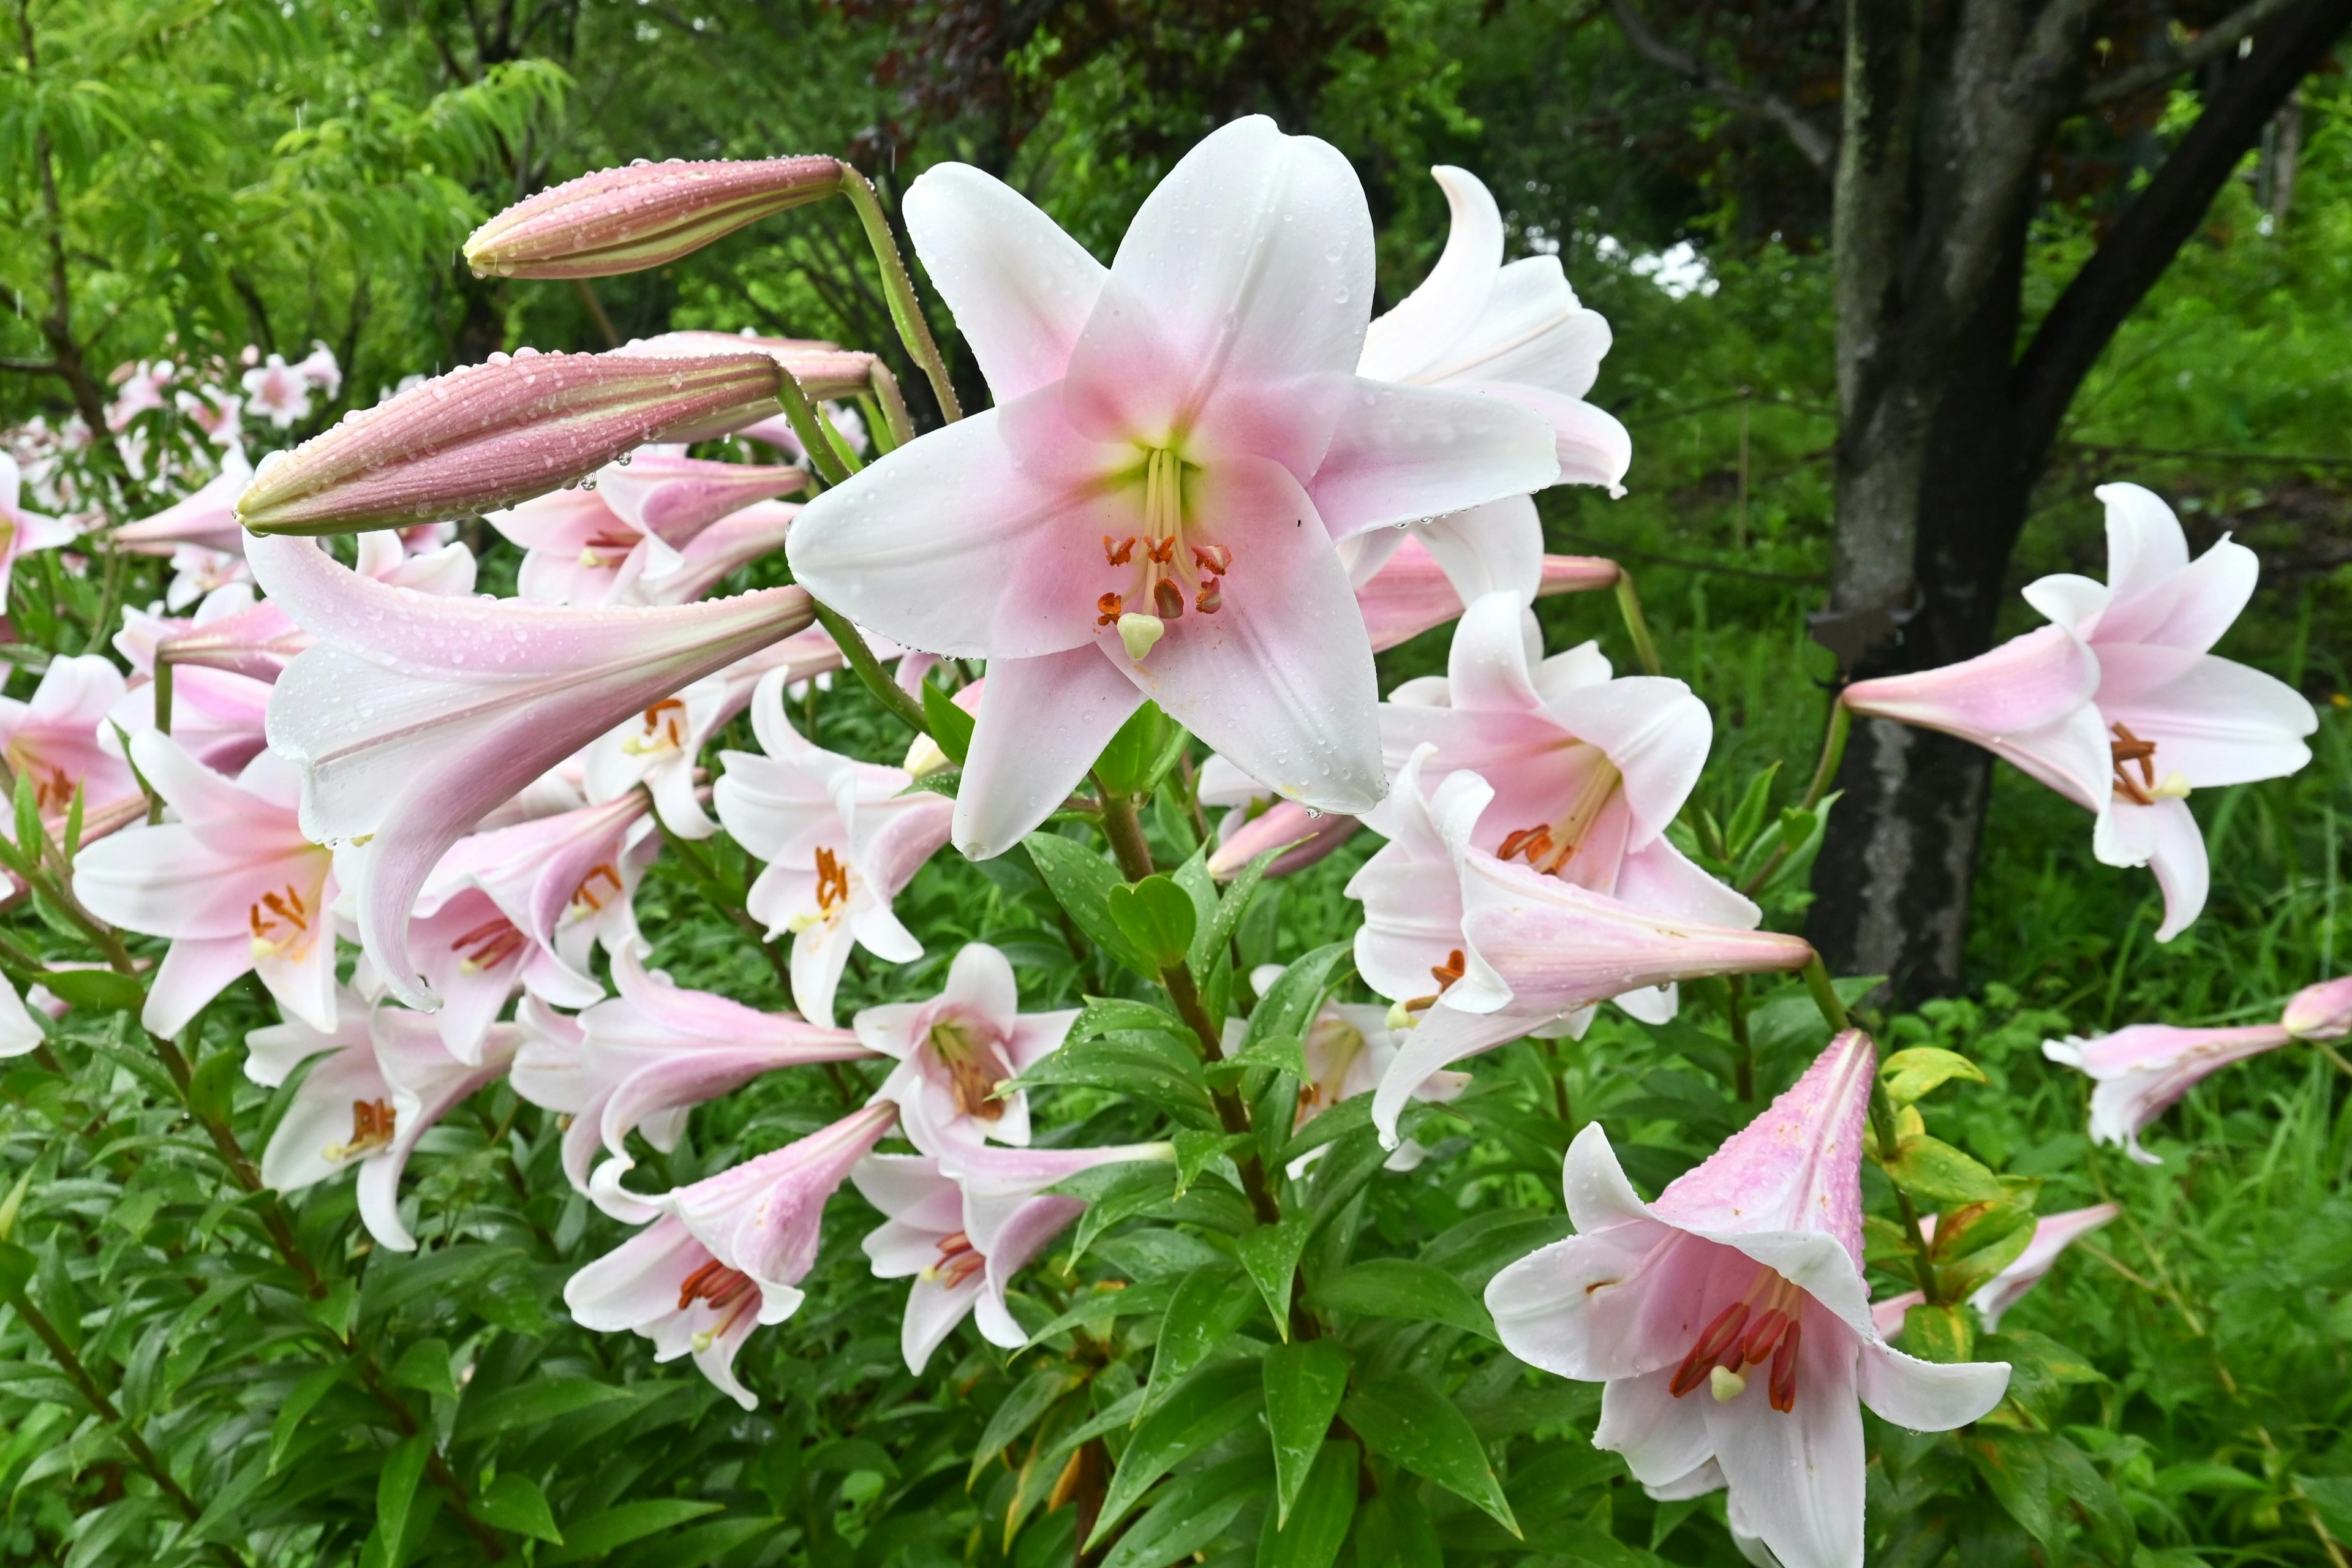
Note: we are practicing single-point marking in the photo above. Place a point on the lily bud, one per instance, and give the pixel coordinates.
(626, 220)
(2321, 1012)
(825, 370)
(491, 435)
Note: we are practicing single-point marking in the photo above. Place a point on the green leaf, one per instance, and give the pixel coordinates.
(96, 990)
(1747, 817)
(950, 725)
(1216, 934)
(18, 1267)
(1936, 1334)
(2016, 1467)
(1127, 763)
(1196, 1151)
(2332, 1496)
(300, 1400)
(514, 1503)
(396, 1492)
(1474, 1251)
(1202, 1410)
(1974, 1243)
(1304, 1384)
(1351, 1115)
(535, 1403)
(1082, 882)
(1911, 1074)
(1214, 1301)
(28, 834)
(1193, 1512)
(616, 1527)
(1393, 1530)
(1406, 1419)
(1405, 1288)
(1029, 1400)
(1270, 1253)
(1289, 1003)
(1157, 916)
(1310, 1535)
(1930, 1168)
(213, 1086)
(425, 1365)
(1110, 1014)
(1140, 1185)
(1281, 1053)
(1150, 1066)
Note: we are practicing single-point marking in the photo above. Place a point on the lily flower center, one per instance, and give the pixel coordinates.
(723, 1288)
(1550, 846)
(967, 1049)
(281, 924)
(665, 730)
(1160, 567)
(2129, 749)
(957, 1261)
(488, 945)
(1761, 1326)
(52, 790)
(1341, 1043)
(372, 1123)
(601, 882)
(607, 547)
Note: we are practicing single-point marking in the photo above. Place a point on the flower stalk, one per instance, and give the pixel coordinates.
(1637, 627)
(899, 289)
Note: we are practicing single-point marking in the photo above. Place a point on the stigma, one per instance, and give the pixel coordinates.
(1162, 573)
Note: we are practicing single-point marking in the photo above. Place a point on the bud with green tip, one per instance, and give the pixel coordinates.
(491, 435)
(626, 220)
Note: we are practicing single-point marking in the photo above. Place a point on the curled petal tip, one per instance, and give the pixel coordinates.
(646, 215)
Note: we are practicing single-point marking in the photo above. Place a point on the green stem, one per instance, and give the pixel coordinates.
(901, 429)
(814, 429)
(1629, 604)
(1743, 1061)
(162, 692)
(869, 669)
(899, 289)
(1833, 739)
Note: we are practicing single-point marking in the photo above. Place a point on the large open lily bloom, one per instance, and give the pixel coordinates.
(1482, 950)
(232, 879)
(957, 1051)
(1149, 510)
(22, 529)
(2142, 1071)
(657, 747)
(840, 838)
(727, 1253)
(2052, 1234)
(413, 717)
(962, 1224)
(52, 741)
(2119, 706)
(1730, 1320)
(585, 546)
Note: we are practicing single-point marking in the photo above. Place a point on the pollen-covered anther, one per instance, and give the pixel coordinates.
(665, 729)
(832, 881)
(1214, 559)
(1119, 556)
(1110, 607)
(1162, 552)
(958, 1260)
(488, 945)
(1210, 598)
(601, 874)
(372, 1124)
(280, 923)
(1167, 599)
(713, 1282)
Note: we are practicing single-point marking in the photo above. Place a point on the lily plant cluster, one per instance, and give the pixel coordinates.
(1210, 486)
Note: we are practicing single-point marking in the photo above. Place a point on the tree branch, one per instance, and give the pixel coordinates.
(2152, 230)
(2223, 35)
(1817, 146)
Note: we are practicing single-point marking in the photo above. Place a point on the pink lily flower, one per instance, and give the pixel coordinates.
(657, 748)
(841, 838)
(1746, 1272)
(728, 1254)
(965, 1223)
(2052, 1234)
(581, 545)
(53, 742)
(278, 390)
(2119, 706)
(204, 518)
(957, 1051)
(142, 391)
(1515, 333)
(1258, 820)
(413, 717)
(219, 412)
(732, 542)
(232, 881)
(318, 368)
(2142, 1071)
(22, 529)
(1510, 950)
(1197, 399)
(1414, 589)
(642, 1060)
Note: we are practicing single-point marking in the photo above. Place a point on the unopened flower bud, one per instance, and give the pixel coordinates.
(825, 370)
(626, 220)
(2321, 1012)
(491, 435)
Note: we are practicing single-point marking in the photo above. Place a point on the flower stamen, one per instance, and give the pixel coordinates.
(488, 945)
(280, 924)
(372, 1123)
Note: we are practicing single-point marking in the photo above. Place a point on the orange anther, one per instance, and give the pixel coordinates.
(1210, 598)
(585, 893)
(1167, 599)
(1109, 608)
(1447, 973)
(1161, 550)
(832, 881)
(1122, 554)
(1214, 559)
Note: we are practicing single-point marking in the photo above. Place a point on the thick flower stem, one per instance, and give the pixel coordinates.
(893, 407)
(814, 429)
(1629, 604)
(899, 289)
(887, 692)
(1743, 1061)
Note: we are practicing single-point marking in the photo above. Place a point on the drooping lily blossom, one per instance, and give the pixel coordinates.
(1730, 1321)
(2119, 706)
(957, 1051)
(22, 529)
(52, 741)
(1515, 332)
(1482, 951)
(1149, 510)
(2142, 1071)
(2052, 1234)
(204, 520)
(581, 546)
(646, 215)
(232, 879)
(413, 717)
(727, 1253)
(962, 1223)
(657, 747)
(840, 838)
(490, 435)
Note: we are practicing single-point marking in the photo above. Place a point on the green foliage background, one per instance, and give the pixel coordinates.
(234, 172)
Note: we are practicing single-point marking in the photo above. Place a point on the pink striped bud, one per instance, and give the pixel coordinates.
(626, 220)
(824, 370)
(491, 435)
